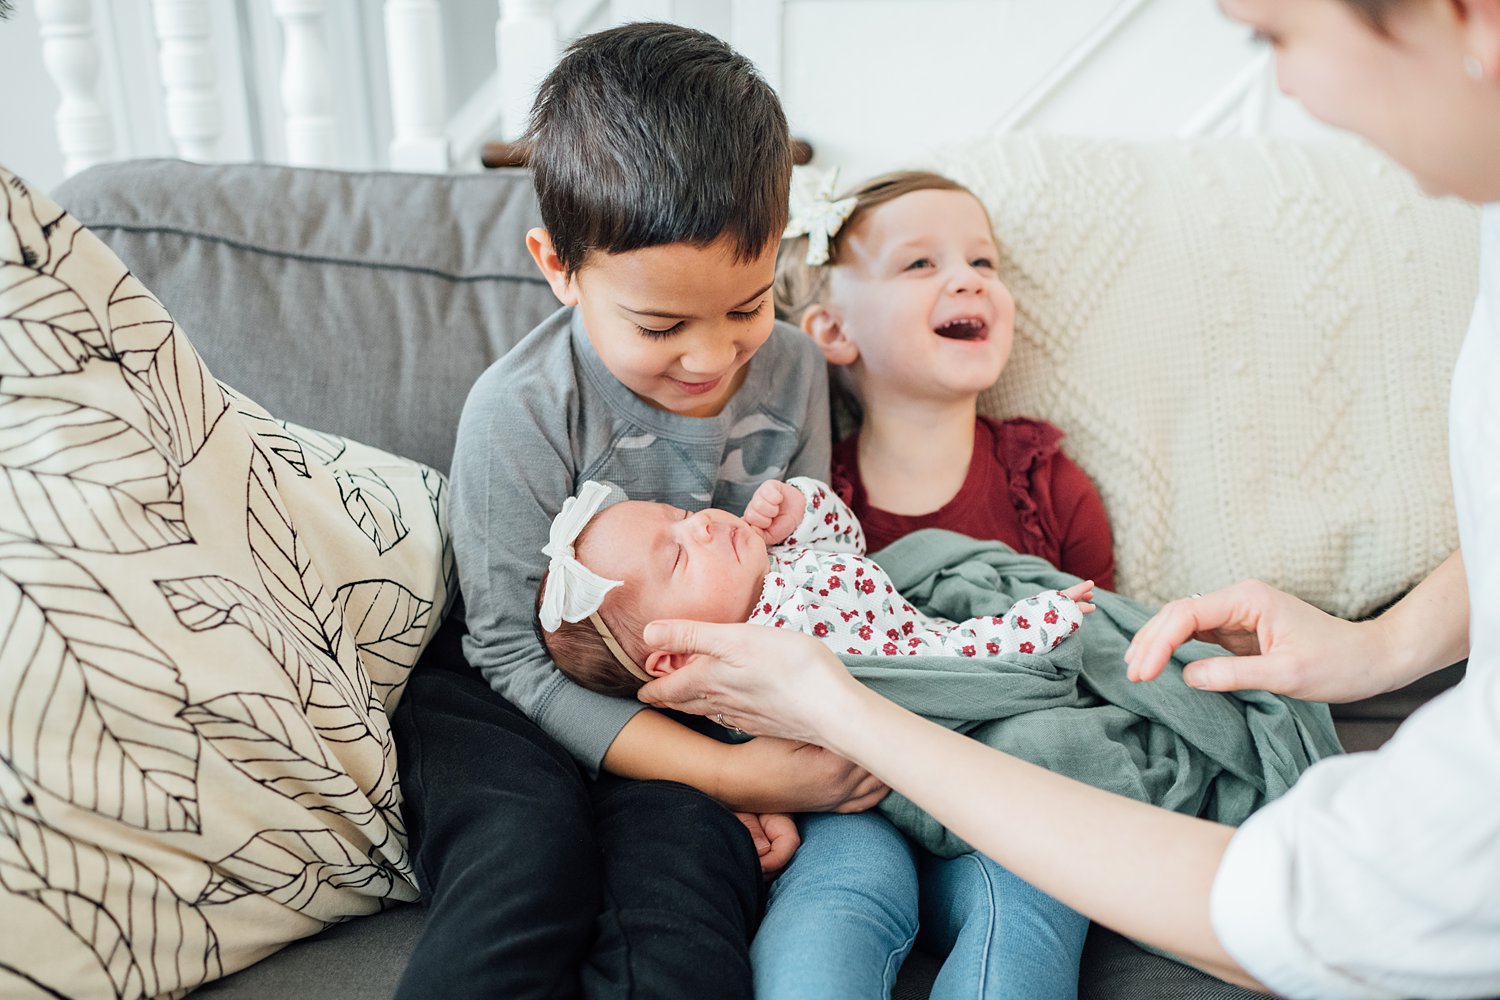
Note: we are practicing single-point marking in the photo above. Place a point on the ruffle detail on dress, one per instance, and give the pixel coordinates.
(1025, 445)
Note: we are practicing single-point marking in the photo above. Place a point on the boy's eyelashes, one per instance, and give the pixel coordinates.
(743, 316)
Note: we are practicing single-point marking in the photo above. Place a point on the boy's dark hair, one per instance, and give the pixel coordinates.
(650, 134)
(579, 652)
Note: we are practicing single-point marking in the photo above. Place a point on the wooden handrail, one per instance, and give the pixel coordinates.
(513, 154)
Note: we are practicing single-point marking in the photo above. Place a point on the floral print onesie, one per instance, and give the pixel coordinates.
(821, 583)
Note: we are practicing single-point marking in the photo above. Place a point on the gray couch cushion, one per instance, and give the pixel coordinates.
(386, 294)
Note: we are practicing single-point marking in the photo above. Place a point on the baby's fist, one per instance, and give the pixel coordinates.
(775, 510)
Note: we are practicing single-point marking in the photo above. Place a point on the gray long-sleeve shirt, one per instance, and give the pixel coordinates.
(547, 417)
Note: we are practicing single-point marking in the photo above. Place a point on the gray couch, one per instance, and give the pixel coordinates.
(387, 294)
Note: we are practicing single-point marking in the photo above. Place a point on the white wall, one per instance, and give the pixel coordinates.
(871, 83)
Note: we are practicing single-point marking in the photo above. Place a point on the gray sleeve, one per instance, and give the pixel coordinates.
(814, 455)
(513, 466)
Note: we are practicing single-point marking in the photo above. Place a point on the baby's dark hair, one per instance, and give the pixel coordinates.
(799, 285)
(649, 134)
(579, 651)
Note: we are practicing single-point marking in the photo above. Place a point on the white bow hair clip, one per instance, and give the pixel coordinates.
(821, 219)
(574, 592)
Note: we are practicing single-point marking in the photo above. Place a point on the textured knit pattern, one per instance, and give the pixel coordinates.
(1177, 300)
(821, 583)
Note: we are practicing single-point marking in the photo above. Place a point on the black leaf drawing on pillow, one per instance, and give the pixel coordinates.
(374, 506)
(183, 402)
(82, 663)
(437, 487)
(146, 938)
(326, 448)
(56, 455)
(270, 740)
(293, 867)
(388, 623)
(49, 330)
(271, 434)
(43, 244)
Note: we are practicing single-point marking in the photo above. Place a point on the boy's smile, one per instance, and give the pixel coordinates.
(676, 323)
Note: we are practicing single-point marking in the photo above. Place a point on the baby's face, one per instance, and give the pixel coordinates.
(708, 566)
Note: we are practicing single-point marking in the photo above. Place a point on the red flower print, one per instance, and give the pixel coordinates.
(822, 593)
(889, 589)
(907, 628)
(1074, 628)
(820, 630)
(906, 607)
(1057, 640)
(866, 586)
(993, 648)
(891, 633)
(997, 621)
(851, 649)
(859, 571)
(1022, 623)
(838, 567)
(766, 607)
(817, 499)
(780, 582)
(889, 649)
(968, 650)
(828, 518)
(914, 642)
(869, 616)
(846, 615)
(778, 623)
(865, 632)
(833, 582)
(1027, 647)
(1050, 617)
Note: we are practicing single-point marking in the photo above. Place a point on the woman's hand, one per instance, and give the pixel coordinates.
(770, 682)
(1279, 643)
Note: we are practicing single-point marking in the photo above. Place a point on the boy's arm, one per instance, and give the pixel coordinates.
(763, 775)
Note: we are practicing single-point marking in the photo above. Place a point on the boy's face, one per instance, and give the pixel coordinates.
(709, 566)
(677, 323)
(917, 292)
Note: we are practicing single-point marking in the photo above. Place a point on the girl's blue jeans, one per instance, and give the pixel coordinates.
(844, 915)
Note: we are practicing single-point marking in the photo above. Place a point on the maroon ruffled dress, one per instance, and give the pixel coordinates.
(1021, 490)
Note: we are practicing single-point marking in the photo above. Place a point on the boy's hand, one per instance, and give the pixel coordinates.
(771, 775)
(775, 510)
(1081, 594)
(775, 837)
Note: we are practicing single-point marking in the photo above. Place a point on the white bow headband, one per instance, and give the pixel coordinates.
(573, 591)
(820, 219)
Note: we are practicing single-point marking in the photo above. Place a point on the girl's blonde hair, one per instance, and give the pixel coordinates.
(800, 285)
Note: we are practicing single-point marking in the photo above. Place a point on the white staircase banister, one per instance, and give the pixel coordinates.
(526, 47)
(306, 90)
(414, 56)
(183, 29)
(72, 60)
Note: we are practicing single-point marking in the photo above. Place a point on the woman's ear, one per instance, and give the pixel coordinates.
(539, 243)
(660, 664)
(825, 326)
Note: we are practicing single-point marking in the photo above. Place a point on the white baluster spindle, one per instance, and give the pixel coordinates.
(525, 49)
(414, 52)
(306, 88)
(72, 60)
(187, 71)
(625, 11)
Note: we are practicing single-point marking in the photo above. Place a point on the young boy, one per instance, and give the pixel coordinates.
(662, 165)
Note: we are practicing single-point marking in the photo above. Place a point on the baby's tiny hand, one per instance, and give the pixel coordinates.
(775, 510)
(1081, 594)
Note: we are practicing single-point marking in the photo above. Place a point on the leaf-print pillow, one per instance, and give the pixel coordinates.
(205, 615)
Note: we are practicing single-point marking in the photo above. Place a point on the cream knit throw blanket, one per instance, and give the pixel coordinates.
(1248, 345)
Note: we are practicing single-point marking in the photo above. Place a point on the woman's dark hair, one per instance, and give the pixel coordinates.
(650, 134)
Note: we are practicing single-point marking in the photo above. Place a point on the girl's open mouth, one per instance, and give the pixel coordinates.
(963, 328)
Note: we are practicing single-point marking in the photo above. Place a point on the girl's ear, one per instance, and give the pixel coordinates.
(539, 243)
(660, 664)
(824, 325)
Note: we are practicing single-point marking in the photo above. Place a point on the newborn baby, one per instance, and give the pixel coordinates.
(794, 560)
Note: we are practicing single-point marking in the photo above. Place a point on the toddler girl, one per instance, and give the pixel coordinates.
(897, 284)
(795, 560)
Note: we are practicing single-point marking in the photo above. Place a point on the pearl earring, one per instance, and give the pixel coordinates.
(1473, 67)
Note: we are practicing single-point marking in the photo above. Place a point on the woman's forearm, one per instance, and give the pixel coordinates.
(1138, 869)
(1430, 625)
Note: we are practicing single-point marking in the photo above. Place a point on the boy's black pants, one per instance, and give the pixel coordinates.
(542, 883)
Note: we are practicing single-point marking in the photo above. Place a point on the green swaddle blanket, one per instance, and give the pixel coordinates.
(1218, 756)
